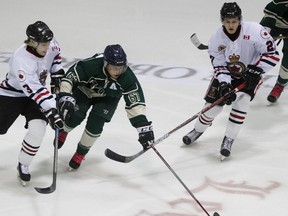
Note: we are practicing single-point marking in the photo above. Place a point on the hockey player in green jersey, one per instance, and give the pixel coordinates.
(276, 22)
(99, 83)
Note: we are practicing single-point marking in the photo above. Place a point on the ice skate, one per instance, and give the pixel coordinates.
(275, 93)
(23, 174)
(226, 147)
(75, 161)
(191, 137)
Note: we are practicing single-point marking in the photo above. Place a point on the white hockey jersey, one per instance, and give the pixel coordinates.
(28, 73)
(254, 46)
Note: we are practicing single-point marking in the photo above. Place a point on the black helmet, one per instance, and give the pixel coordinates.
(115, 55)
(230, 10)
(39, 32)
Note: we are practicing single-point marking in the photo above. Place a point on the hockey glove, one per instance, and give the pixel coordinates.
(56, 80)
(252, 76)
(224, 90)
(146, 134)
(67, 105)
(54, 118)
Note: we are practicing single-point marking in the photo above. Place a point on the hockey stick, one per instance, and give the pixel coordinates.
(182, 183)
(126, 159)
(194, 39)
(52, 187)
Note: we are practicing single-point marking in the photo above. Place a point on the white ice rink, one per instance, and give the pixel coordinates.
(174, 75)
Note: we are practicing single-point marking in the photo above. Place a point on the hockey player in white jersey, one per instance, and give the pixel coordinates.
(23, 92)
(239, 52)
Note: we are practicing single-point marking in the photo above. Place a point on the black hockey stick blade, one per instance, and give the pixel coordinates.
(52, 187)
(46, 190)
(121, 158)
(194, 39)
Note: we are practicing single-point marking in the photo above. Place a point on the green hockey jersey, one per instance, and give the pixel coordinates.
(276, 17)
(90, 77)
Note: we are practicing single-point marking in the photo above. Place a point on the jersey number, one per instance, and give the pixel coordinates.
(28, 89)
(269, 46)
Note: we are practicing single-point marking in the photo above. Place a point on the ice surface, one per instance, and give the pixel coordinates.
(174, 75)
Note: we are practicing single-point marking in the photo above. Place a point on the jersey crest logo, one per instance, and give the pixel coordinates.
(43, 76)
(236, 67)
(221, 48)
(113, 86)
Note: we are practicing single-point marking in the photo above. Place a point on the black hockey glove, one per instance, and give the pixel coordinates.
(146, 134)
(224, 90)
(67, 105)
(252, 76)
(56, 80)
(54, 118)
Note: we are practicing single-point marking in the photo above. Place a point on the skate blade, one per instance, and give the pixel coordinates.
(22, 182)
(70, 169)
(271, 103)
(222, 158)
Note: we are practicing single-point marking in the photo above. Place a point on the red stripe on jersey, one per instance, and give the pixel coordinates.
(272, 57)
(41, 95)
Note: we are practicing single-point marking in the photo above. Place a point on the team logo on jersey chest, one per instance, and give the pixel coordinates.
(221, 48)
(43, 76)
(236, 67)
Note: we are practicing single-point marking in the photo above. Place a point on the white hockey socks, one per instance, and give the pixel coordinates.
(205, 120)
(32, 141)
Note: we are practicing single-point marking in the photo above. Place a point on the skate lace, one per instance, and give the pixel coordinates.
(276, 91)
(24, 169)
(77, 158)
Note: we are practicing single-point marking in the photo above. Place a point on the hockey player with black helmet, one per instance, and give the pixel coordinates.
(99, 83)
(23, 92)
(239, 52)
